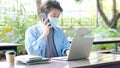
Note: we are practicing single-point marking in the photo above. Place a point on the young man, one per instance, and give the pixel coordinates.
(46, 39)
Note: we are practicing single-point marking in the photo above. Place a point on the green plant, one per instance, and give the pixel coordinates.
(13, 24)
(104, 31)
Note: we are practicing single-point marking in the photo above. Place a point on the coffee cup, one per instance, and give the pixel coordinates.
(10, 56)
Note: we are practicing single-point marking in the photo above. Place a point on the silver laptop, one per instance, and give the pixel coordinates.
(80, 49)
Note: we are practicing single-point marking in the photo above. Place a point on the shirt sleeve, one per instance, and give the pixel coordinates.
(66, 45)
(34, 45)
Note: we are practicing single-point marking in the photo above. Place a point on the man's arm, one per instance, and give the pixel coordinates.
(67, 52)
(66, 46)
(34, 46)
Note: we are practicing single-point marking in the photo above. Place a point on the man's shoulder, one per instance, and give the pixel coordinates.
(32, 28)
(58, 28)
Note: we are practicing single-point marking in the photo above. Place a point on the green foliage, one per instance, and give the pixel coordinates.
(15, 26)
(13, 30)
(78, 1)
(107, 46)
(14, 23)
(104, 32)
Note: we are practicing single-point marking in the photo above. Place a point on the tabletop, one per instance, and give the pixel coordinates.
(95, 59)
(9, 44)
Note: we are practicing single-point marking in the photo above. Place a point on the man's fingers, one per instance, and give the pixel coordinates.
(50, 27)
(43, 21)
(46, 20)
(48, 24)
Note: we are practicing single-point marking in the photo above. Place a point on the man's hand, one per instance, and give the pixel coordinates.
(67, 52)
(45, 28)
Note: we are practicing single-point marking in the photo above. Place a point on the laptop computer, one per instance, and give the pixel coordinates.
(80, 49)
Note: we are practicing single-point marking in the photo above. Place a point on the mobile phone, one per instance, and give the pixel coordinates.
(43, 16)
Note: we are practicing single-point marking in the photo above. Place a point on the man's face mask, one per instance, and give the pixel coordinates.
(53, 21)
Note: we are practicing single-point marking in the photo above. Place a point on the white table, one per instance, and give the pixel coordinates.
(9, 46)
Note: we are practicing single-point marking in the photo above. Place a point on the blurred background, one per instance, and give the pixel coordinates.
(80, 18)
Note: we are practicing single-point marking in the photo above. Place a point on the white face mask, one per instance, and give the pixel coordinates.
(53, 21)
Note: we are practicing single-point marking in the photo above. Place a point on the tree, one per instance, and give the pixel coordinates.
(38, 3)
(79, 1)
(115, 14)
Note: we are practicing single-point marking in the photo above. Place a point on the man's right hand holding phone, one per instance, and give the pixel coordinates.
(45, 28)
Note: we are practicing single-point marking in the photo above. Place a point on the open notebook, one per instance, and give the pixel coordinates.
(31, 59)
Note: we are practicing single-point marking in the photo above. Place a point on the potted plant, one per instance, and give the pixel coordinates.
(102, 47)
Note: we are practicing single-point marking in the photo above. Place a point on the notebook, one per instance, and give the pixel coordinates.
(31, 59)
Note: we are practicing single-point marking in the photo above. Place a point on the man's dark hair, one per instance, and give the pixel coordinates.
(48, 5)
